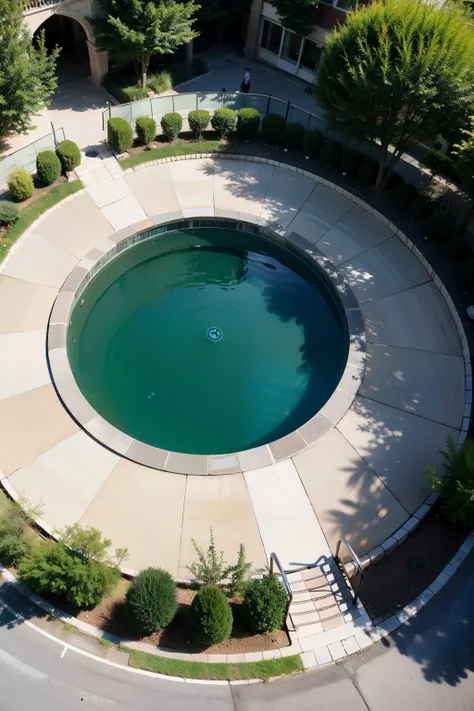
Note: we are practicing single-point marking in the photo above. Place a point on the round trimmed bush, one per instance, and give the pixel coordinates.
(331, 153)
(20, 184)
(248, 122)
(292, 136)
(265, 604)
(223, 122)
(467, 272)
(272, 127)
(367, 173)
(69, 154)
(420, 208)
(351, 161)
(152, 600)
(198, 122)
(119, 134)
(210, 620)
(145, 128)
(8, 213)
(312, 142)
(404, 194)
(457, 249)
(171, 125)
(441, 226)
(48, 167)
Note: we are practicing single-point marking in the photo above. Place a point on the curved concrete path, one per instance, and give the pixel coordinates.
(362, 479)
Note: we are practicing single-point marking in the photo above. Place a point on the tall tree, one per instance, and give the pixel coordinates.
(299, 16)
(465, 165)
(222, 13)
(27, 71)
(142, 28)
(399, 72)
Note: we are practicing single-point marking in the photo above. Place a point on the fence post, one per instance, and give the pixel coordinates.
(197, 105)
(110, 110)
(268, 102)
(151, 107)
(172, 101)
(287, 111)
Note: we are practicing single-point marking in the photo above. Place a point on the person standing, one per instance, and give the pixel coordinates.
(246, 82)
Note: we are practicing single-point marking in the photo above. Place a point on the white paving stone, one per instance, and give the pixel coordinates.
(109, 191)
(355, 232)
(285, 517)
(124, 212)
(23, 363)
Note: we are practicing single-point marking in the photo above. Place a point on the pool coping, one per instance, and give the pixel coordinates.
(189, 464)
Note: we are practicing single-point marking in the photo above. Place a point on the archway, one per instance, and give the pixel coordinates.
(67, 33)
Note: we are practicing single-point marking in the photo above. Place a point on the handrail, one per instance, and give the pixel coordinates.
(356, 561)
(274, 559)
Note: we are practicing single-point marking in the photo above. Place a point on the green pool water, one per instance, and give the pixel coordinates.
(207, 341)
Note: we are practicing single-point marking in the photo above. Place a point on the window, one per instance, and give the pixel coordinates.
(271, 37)
(310, 55)
(291, 47)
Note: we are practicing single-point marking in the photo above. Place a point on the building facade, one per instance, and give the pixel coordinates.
(270, 42)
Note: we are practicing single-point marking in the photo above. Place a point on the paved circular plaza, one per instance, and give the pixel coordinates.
(357, 471)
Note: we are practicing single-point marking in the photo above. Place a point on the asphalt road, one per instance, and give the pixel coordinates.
(425, 666)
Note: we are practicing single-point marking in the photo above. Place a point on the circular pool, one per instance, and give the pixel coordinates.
(207, 340)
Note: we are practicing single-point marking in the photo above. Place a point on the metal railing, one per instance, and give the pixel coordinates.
(157, 106)
(355, 560)
(38, 4)
(26, 156)
(274, 560)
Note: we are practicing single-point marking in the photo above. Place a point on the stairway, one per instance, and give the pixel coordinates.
(322, 599)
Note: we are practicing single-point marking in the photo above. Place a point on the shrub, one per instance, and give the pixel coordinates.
(53, 568)
(119, 134)
(439, 163)
(198, 122)
(69, 154)
(211, 567)
(457, 249)
(292, 135)
(456, 488)
(134, 93)
(239, 573)
(8, 213)
(210, 619)
(160, 82)
(351, 161)
(367, 173)
(421, 207)
(48, 167)
(312, 142)
(13, 541)
(272, 127)
(265, 604)
(20, 184)
(331, 153)
(248, 121)
(441, 226)
(404, 195)
(152, 600)
(145, 128)
(223, 122)
(171, 125)
(467, 272)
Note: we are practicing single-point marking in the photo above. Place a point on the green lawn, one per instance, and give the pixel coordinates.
(201, 670)
(32, 211)
(180, 148)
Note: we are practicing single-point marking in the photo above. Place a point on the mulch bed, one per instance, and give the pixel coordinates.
(110, 616)
(405, 573)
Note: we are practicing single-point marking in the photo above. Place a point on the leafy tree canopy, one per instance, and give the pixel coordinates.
(465, 154)
(399, 72)
(142, 28)
(222, 13)
(27, 71)
(297, 15)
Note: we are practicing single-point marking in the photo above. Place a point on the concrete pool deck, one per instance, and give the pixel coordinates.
(363, 479)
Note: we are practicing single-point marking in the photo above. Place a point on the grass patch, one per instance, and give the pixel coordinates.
(225, 672)
(32, 211)
(180, 148)
(68, 628)
(105, 642)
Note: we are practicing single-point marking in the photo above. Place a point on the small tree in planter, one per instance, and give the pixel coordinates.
(265, 604)
(146, 130)
(69, 155)
(20, 184)
(48, 167)
(223, 122)
(456, 488)
(152, 600)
